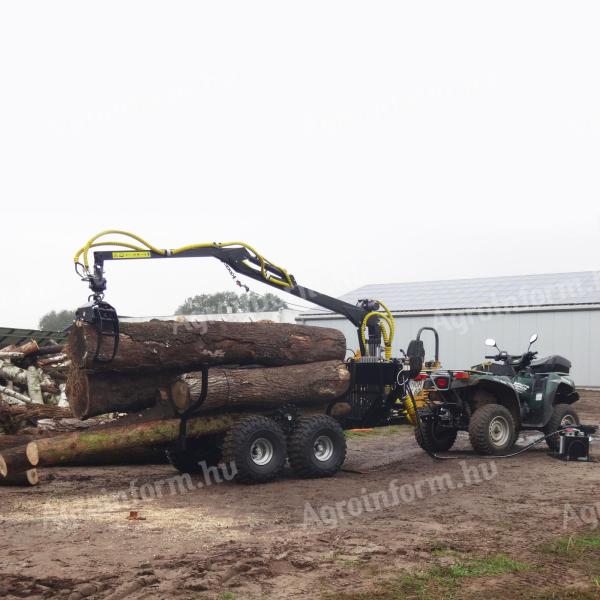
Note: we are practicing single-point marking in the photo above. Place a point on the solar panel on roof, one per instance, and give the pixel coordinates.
(550, 289)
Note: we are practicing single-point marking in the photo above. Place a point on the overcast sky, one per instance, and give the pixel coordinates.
(351, 142)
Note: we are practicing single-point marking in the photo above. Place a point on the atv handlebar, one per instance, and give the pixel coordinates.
(514, 360)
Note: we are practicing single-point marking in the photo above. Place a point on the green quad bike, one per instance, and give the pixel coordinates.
(494, 401)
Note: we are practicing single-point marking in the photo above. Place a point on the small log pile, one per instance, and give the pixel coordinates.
(254, 369)
(33, 406)
(30, 374)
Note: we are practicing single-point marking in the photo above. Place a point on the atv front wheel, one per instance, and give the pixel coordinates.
(492, 429)
(429, 437)
(562, 415)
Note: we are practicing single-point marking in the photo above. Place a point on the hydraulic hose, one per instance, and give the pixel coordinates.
(388, 335)
(142, 245)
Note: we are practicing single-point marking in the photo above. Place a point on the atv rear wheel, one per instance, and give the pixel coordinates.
(256, 449)
(492, 429)
(429, 437)
(562, 415)
(317, 447)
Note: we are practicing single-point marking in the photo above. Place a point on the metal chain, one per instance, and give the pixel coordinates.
(236, 279)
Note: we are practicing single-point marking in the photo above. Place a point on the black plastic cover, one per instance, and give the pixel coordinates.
(551, 364)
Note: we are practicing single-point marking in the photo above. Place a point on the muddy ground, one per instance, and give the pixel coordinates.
(524, 527)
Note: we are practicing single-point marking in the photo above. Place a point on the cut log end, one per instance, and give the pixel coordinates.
(181, 395)
(32, 453)
(77, 391)
(20, 458)
(3, 468)
(28, 478)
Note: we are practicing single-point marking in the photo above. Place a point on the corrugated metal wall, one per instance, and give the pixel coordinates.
(572, 333)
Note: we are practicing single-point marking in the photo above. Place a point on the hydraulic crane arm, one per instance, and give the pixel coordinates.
(238, 256)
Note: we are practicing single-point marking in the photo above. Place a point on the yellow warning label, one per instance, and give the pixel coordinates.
(131, 254)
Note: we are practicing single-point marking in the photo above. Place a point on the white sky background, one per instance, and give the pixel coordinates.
(351, 142)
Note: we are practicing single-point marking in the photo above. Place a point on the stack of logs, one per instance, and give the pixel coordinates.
(32, 382)
(254, 368)
(30, 374)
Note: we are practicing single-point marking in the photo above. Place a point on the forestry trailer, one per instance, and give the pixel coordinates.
(316, 444)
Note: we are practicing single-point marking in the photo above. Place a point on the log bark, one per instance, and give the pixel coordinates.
(24, 478)
(165, 345)
(317, 384)
(34, 385)
(51, 360)
(99, 445)
(21, 458)
(93, 394)
(16, 396)
(30, 347)
(142, 455)
(34, 411)
(50, 349)
(17, 375)
(12, 416)
(10, 441)
(58, 372)
(11, 355)
(13, 373)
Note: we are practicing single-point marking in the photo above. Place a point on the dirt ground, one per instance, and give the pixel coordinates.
(394, 524)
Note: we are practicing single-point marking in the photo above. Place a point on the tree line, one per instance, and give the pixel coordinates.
(201, 304)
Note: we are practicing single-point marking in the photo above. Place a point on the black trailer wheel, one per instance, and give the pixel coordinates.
(317, 447)
(492, 429)
(207, 451)
(256, 449)
(431, 438)
(562, 415)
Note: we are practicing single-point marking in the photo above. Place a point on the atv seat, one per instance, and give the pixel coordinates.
(551, 364)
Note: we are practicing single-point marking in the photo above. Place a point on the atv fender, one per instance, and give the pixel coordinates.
(558, 390)
(488, 391)
(561, 390)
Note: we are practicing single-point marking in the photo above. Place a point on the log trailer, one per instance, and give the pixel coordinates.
(378, 380)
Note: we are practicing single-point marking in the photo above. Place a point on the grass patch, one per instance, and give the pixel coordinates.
(388, 430)
(491, 566)
(573, 546)
(578, 554)
(438, 582)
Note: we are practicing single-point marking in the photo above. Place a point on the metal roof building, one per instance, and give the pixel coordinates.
(11, 336)
(563, 308)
